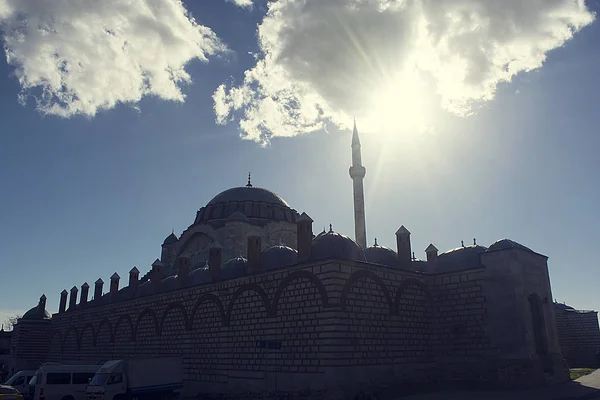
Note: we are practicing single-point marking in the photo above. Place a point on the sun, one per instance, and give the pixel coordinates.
(401, 103)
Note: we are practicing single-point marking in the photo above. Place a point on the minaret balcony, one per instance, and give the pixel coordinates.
(357, 172)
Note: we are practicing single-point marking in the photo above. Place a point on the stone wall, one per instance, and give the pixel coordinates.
(29, 344)
(313, 326)
(578, 335)
(462, 344)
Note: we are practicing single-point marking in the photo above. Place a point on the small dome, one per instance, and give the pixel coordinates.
(335, 245)
(381, 255)
(36, 314)
(200, 275)
(277, 257)
(172, 238)
(505, 244)
(563, 306)
(233, 268)
(169, 283)
(461, 257)
(323, 232)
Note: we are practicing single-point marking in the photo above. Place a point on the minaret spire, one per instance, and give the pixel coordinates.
(357, 173)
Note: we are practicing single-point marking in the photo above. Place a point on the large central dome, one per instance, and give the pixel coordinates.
(248, 193)
(246, 203)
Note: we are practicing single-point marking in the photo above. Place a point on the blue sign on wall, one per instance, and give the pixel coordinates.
(268, 344)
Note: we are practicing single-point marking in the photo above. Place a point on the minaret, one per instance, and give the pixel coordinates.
(357, 173)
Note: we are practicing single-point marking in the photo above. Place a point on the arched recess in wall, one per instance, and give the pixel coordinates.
(538, 322)
(296, 305)
(300, 276)
(173, 329)
(368, 306)
(87, 341)
(178, 311)
(146, 333)
(104, 339)
(55, 349)
(406, 291)
(71, 344)
(377, 290)
(413, 309)
(257, 296)
(249, 306)
(197, 312)
(123, 336)
(206, 324)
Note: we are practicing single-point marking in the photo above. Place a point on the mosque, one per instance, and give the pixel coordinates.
(254, 301)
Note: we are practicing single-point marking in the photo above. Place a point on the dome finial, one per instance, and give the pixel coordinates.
(375, 243)
(462, 243)
(249, 177)
(330, 228)
(474, 242)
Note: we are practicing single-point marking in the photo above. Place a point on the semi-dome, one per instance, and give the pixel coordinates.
(277, 257)
(256, 204)
(335, 245)
(36, 313)
(237, 266)
(172, 238)
(381, 255)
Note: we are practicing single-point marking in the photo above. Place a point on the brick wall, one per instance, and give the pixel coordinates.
(462, 344)
(30, 344)
(336, 322)
(578, 336)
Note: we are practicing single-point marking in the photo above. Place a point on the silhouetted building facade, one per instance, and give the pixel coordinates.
(578, 335)
(254, 301)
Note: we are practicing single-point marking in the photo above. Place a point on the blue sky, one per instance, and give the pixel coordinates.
(86, 196)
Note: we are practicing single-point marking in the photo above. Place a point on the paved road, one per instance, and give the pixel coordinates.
(586, 387)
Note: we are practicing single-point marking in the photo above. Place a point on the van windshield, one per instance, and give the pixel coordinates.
(99, 379)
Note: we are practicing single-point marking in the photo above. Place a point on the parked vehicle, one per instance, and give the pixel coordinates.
(143, 379)
(20, 381)
(9, 393)
(61, 382)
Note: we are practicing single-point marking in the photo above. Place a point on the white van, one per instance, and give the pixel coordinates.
(61, 382)
(20, 381)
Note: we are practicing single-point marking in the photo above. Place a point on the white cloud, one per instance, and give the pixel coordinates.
(82, 56)
(329, 60)
(242, 3)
